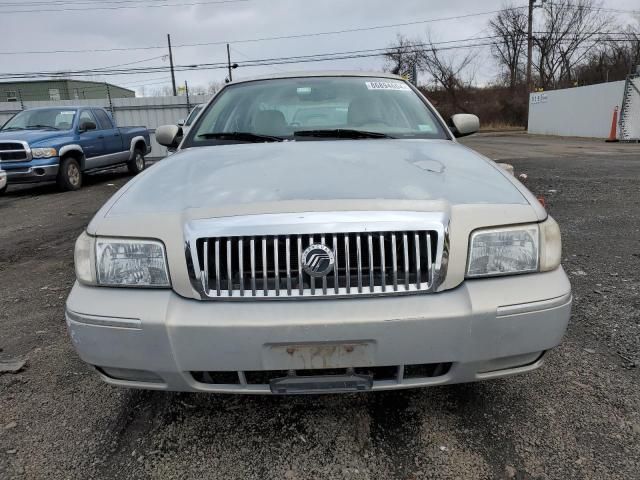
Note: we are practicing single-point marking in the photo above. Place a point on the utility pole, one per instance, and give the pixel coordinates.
(529, 44)
(186, 91)
(173, 74)
(229, 62)
(530, 41)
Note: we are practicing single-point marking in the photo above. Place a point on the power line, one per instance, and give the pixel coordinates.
(85, 72)
(131, 63)
(582, 34)
(593, 8)
(94, 2)
(350, 30)
(271, 61)
(321, 57)
(71, 3)
(149, 84)
(264, 39)
(122, 7)
(61, 74)
(235, 50)
(137, 82)
(155, 69)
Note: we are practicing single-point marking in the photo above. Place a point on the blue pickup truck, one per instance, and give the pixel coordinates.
(60, 144)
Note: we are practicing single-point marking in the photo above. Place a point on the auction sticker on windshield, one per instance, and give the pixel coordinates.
(387, 86)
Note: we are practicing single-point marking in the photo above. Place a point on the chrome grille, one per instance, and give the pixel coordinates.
(260, 256)
(14, 151)
(271, 265)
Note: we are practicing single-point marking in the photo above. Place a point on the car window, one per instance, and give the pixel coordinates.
(103, 119)
(283, 107)
(86, 116)
(64, 119)
(192, 116)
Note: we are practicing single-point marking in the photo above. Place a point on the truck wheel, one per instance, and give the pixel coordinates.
(69, 175)
(137, 164)
(3, 189)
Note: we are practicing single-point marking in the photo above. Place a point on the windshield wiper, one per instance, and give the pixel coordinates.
(241, 136)
(41, 126)
(12, 128)
(341, 133)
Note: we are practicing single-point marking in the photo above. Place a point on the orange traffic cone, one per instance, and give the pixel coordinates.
(613, 137)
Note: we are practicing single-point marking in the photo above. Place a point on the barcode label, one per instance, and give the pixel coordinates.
(387, 86)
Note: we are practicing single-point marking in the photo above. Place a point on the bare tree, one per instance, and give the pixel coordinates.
(447, 70)
(214, 86)
(613, 60)
(568, 30)
(509, 27)
(403, 55)
(197, 90)
(163, 91)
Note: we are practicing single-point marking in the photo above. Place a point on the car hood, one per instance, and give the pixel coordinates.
(230, 175)
(31, 136)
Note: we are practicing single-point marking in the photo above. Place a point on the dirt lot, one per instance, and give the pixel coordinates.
(577, 417)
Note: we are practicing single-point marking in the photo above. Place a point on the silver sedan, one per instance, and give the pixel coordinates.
(316, 233)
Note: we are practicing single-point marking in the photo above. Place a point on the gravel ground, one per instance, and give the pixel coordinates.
(576, 417)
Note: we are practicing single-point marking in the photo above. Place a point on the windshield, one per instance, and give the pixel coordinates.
(192, 116)
(315, 108)
(46, 118)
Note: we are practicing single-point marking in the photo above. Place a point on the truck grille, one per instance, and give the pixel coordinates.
(365, 263)
(13, 152)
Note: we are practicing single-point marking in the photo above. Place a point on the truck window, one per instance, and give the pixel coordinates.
(86, 116)
(104, 121)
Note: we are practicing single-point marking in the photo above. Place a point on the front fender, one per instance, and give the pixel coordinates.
(132, 145)
(72, 148)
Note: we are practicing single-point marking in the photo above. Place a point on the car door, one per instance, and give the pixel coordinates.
(91, 139)
(114, 152)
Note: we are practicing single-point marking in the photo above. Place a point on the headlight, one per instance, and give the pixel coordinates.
(136, 263)
(121, 262)
(43, 152)
(503, 251)
(512, 250)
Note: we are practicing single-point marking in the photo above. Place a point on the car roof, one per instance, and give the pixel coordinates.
(327, 73)
(62, 107)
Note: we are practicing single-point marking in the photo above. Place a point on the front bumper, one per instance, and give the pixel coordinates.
(36, 170)
(483, 329)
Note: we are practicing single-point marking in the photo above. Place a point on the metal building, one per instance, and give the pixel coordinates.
(59, 89)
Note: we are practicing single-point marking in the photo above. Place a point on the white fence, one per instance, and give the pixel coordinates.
(630, 111)
(576, 112)
(150, 112)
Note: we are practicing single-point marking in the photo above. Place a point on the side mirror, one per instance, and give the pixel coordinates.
(169, 135)
(87, 125)
(181, 122)
(463, 124)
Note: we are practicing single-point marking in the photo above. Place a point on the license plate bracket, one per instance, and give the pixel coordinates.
(307, 385)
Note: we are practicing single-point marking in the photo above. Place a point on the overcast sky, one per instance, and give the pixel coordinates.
(232, 22)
